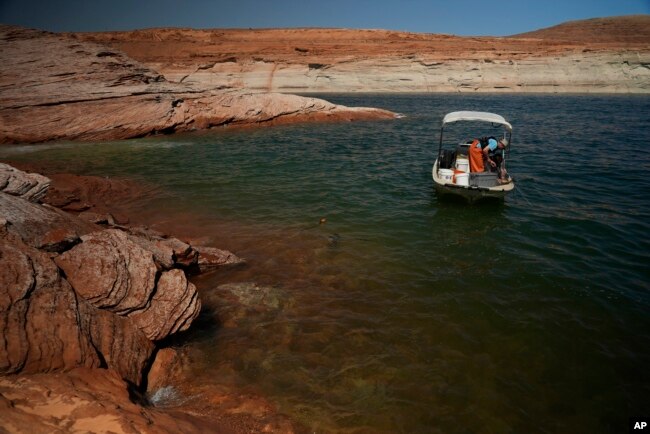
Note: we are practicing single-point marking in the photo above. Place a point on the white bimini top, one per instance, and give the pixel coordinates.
(476, 116)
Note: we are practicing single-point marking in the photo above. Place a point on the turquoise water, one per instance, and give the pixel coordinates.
(404, 313)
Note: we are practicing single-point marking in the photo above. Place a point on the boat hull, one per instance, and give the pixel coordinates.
(470, 193)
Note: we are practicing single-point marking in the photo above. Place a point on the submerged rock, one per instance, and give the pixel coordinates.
(93, 217)
(211, 257)
(245, 303)
(252, 296)
(94, 194)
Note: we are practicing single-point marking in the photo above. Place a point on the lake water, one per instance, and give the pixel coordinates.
(404, 313)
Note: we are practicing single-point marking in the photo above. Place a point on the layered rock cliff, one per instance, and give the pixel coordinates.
(75, 294)
(83, 308)
(55, 86)
(599, 55)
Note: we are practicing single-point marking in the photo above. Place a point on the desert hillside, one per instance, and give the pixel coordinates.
(598, 55)
(609, 33)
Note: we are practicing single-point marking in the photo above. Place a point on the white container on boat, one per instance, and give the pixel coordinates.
(462, 179)
(462, 164)
(447, 175)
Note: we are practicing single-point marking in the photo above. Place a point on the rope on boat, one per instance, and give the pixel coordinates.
(521, 191)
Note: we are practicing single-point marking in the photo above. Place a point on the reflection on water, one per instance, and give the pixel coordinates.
(403, 313)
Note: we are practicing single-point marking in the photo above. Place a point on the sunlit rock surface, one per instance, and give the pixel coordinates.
(81, 90)
(599, 55)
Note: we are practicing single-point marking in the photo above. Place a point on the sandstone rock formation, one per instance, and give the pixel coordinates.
(211, 257)
(88, 401)
(599, 55)
(78, 325)
(40, 226)
(47, 327)
(163, 369)
(172, 309)
(105, 310)
(30, 186)
(78, 193)
(30, 280)
(168, 252)
(86, 91)
(111, 271)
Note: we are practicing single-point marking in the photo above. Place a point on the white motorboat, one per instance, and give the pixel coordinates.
(451, 170)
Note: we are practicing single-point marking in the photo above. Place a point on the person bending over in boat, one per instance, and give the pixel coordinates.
(483, 149)
(502, 175)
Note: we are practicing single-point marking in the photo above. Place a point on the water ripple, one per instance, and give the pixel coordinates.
(403, 313)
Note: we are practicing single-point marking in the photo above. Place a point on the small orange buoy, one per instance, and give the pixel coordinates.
(322, 221)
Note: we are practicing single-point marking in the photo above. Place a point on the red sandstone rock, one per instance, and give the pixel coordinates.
(110, 271)
(45, 327)
(597, 55)
(39, 226)
(162, 369)
(86, 91)
(211, 257)
(94, 194)
(122, 346)
(89, 400)
(184, 255)
(172, 309)
(606, 32)
(168, 252)
(30, 186)
(33, 297)
(207, 49)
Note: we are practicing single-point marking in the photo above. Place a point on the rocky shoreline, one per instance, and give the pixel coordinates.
(90, 302)
(57, 87)
(87, 304)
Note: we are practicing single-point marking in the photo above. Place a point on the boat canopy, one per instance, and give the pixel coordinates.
(476, 116)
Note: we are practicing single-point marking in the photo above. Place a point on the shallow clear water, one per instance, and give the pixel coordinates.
(404, 313)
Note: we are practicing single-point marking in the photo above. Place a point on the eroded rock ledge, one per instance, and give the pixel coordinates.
(102, 288)
(81, 90)
(82, 309)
